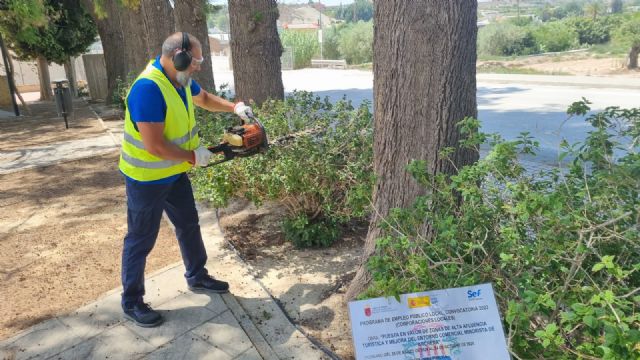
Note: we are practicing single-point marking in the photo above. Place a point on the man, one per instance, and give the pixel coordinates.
(160, 144)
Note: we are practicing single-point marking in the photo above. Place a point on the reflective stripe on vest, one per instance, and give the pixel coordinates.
(179, 128)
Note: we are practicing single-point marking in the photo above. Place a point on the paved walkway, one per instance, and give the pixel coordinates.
(244, 324)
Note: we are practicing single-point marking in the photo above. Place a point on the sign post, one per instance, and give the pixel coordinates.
(450, 324)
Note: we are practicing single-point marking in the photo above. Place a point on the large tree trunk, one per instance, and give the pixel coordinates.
(159, 24)
(135, 46)
(633, 57)
(191, 16)
(424, 83)
(112, 40)
(256, 50)
(128, 36)
(45, 80)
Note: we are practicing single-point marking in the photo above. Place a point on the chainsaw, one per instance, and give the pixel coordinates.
(248, 139)
(240, 141)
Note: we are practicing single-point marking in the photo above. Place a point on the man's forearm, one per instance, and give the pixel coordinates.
(169, 151)
(216, 103)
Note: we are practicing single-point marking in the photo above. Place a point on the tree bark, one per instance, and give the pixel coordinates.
(128, 36)
(424, 83)
(256, 50)
(70, 71)
(633, 57)
(46, 94)
(158, 22)
(191, 16)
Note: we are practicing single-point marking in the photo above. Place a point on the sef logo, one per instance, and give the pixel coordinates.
(473, 294)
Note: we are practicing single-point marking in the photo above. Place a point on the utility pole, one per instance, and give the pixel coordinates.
(8, 70)
(320, 28)
(355, 18)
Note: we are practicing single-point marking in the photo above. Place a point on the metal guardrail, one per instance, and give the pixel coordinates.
(332, 64)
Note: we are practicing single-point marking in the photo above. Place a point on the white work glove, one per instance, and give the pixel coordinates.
(202, 155)
(243, 111)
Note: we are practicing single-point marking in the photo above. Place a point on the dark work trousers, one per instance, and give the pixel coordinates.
(145, 204)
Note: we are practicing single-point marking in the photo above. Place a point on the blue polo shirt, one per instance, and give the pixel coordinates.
(146, 104)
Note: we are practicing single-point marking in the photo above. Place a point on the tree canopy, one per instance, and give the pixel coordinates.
(358, 10)
(55, 30)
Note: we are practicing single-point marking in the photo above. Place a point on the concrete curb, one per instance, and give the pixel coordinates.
(315, 342)
(106, 129)
(272, 324)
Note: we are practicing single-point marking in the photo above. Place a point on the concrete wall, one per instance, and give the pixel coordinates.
(26, 73)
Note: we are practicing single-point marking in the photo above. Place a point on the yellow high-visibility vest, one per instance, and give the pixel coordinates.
(179, 128)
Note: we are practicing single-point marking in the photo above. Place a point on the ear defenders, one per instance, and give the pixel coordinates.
(182, 58)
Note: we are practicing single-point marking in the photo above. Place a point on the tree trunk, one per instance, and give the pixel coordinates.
(159, 24)
(125, 41)
(424, 83)
(70, 71)
(135, 46)
(256, 50)
(191, 16)
(633, 57)
(45, 81)
(8, 69)
(112, 39)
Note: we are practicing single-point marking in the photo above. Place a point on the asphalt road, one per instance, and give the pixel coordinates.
(507, 105)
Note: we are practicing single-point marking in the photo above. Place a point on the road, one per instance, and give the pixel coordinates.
(507, 105)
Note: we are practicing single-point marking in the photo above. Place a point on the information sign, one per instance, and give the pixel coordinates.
(450, 324)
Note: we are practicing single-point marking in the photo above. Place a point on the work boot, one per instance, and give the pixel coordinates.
(209, 284)
(143, 315)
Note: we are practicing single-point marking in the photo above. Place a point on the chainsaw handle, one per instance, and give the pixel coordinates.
(252, 118)
(224, 149)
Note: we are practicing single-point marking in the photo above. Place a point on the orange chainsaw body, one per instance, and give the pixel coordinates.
(242, 141)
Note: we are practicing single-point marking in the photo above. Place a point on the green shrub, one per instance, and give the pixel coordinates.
(356, 42)
(506, 39)
(119, 96)
(304, 233)
(331, 44)
(628, 33)
(323, 178)
(561, 247)
(591, 32)
(555, 36)
(305, 46)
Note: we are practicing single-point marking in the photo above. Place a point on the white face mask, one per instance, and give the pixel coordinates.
(183, 78)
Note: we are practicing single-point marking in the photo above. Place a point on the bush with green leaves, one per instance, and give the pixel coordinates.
(304, 44)
(324, 177)
(628, 34)
(506, 39)
(561, 247)
(356, 42)
(592, 32)
(119, 96)
(555, 36)
(331, 43)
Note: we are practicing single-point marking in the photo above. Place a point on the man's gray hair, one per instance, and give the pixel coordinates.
(174, 41)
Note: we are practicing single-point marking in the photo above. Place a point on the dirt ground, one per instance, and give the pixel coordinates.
(575, 64)
(61, 226)
(308, 283)
(44, 127)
